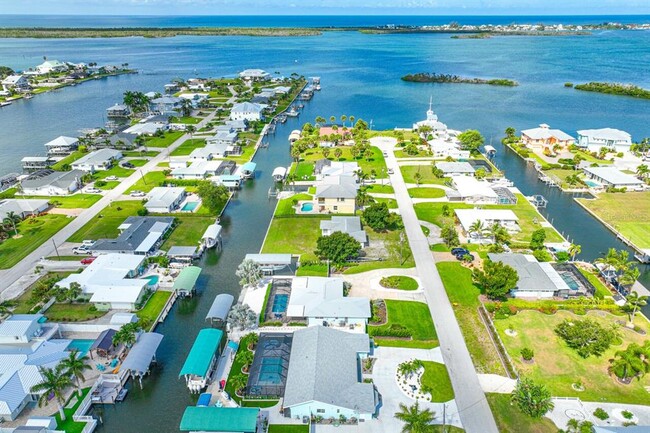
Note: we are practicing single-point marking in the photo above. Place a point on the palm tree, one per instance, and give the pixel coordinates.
(574, 250)
(351, 119)
(344, 119)
(238, 382)
(642, 171)
(326, 152)
(633, 303)
(249, 273)
(246, 358)
(631, 362)
(531, 398)
(629, 275)
(295, 153)
(320, 120)
(418, 177)
(414, 419)
(186, 107)
(477, 227)
(337, 153)
(54, 382)
(252, 339)
(332, 119)
(73, 292)
(510, 132)
(12, 218)
(75, 366)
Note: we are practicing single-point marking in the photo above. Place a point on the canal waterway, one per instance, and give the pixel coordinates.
(361, 77)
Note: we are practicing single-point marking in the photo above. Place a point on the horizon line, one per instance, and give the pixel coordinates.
(336, 15)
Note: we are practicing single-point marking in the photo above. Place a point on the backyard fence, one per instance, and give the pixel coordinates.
(508, 365)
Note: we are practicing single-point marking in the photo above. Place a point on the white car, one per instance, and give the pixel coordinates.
(111, 178)
(81, 250)
(93, 191)
(385, 153)
(391, 171)
(137, 194)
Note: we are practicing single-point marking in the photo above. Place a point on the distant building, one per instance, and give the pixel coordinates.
(324, 168)
(247, 111)
(545, 138)
(17, 83)
(614, 140)
(138, 235)
(166, 104)
(146, 128)
(22, 207)
(36, 163)
(50, 66)
(254, 75)
(51, 183)
(222, 137)
(471, 190)
(62, 146)
(118, 111)
(121, 141)
(164, 199)
(612, 177)
(337, 194)
(98, 160)
(437, 127)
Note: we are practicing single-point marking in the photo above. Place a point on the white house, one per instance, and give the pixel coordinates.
(324, 168)
(222, 137)
(323, 378)
(612, 177)
(487, 217)
(166, 104)
(163, 199)
(61, 146)
(22, 208)
(16, 82)
(447, 148)
(99, 160)
(471, 190)
(246, 111)
(321, 302)
(21, 328)
(614, 140)
(110, 281)
(456, 168)
(197, 170)
(254, 74)
(146, 128)
(49, 66)
(437, 127)
(50, 182)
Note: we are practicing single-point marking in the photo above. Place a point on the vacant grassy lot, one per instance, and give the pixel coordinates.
(288, 428)
(387, 246)
(115, 170)
(463, 295)
(558, 366)
(436, 379)
(379, 188)
(32, 232)
(390, 202)
(66, 312)
(424, 192)
(138, 162)
(510, 420)
(154, 306)
(188, 231)
(408, 172)
(415, 317)
(626, 212)
(303, 170)
(188, 146)
(105, 224)
(71, 201)
(293, 235)
(374, 164)
(149, 182)
(165, 141)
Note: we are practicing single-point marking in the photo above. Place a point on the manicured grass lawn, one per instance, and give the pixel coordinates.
(390, 252)
(70, 425)
(293, 235)
(318, 270)
(421, 153)
(148, 153)
(601, 290)
(436, 378)
(303, 171)
(247, 154)
(154, 306)
(288, 428)
(414, 316)
(138, 162)
(109, 185)
(106, 223)
(68, 160)
(408, 172)
(390, 202)
(399, 282)
(115, 170)
(375, 162)
(285, 206)
(560, 174)
(66, 312)
(380, 189)
(424, 192)
(32, 232)
(189, 230)
(71, 201)
(558, 366)
(188, 146)
(626, 212)
(8, 193)
(526, 212)
(150, 181)
(463, 295)
(186, 120)
(510, 420)
(164, 141)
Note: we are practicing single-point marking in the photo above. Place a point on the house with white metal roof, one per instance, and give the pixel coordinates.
(61, 146)
(138, 235)
(166, 104)
(223, 137)
(146, 128)
(99, 160)
(455, 168)
(15, 82)
(164, 199)
(197, 170)
(350, 225)
(487, 217)
(49, 66)
(22, 207)
(246, 111)
(613, 177)
(254, 74)
(325, 167)
(543, 137)
(323, 378)
(612, 139)
(51, 183)
(471, 190)
(336, 194)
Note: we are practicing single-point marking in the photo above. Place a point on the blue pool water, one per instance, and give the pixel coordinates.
(280, 303)
(153, 279)
(592, 184)
(570, 281)
(307, 207)
(83, 346)
(190, 206)
(270, 372)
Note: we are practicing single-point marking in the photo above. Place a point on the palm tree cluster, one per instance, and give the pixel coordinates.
(8, 227)
(415, 420)
(126, 334)
(409, 368)
(242, 317)
(137, 101)
(626, 271)
(249, 273)
(634, 361)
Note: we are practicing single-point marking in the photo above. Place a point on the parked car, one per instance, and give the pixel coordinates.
(137, 193)
(88, 260)
(81, 250)
(385, 154)
(93, 190)
(459, 251)
(462, 257)
(127, 165)
(111, 178)
(391, 171)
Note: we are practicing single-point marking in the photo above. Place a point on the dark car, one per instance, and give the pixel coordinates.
(459, 251)
(462, 257)
(128, 165)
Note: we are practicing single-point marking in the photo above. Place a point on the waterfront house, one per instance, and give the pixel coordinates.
(166, 105)
(35, 163)
(171, 88)
(337, 194)
(23, 329)
(197, 170)
(202, 359)
(51, 66)
(61, 146)
(22, 207)
(471, 190)
(138, 235)
(487, 217)
(227, 138)
(455, 168)
(254, 75)
(437, 127)
(612, 177)
(98, 160)
(323, 378)
(163, 199)
(50, 182)
(146, 128)
(447, 148)
(110, 281)
(246, 111)
(545, 139)
(236, 125)
(120, 140)
(321, 302)
(344, 224)
(16, 83)
(324, 168)
(211, 419)
(118, 111)
(614, 140)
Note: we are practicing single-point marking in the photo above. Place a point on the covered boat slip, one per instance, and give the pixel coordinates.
(186, 280)
(202, 359)
(220, 419)
(142, 354)
(220, 308)
(271, 263)
(212, 236)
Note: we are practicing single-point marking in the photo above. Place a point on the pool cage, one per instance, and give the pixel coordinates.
(577, 282)
(268, 373)
(276, 307)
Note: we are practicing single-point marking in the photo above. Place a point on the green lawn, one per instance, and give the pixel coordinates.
(318, 270)
(408, 172)
(137, 153)
(375, 162)
(32, 232)
(164, 141)
(71, 201)
(421, 153)
(247, 154)
(149, 182)
(68, 160)
(463, 295)
(288, 428)
(77, 312)
(601, 290)
(138, 162)
(108, 185)
(105, 224)
(399, 282)
(436, 379)
(510, 420)
(154, 306)
(390, 250)
(188, 146)
(285, 206)
(189, 230)
(116, 170)
(24, 304)
(424, 192)
(303, 171)
(526, 212)
(415, 317)
(188, 120)
(626, 212)
(293, 235)
(380, 189)
(390, 202)
(70, 425)
(558, 366)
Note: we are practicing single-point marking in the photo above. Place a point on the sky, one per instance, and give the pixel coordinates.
(326, 7)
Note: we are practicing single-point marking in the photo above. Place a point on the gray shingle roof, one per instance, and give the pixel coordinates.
(59, 179)
(349, 225)
(324, 368)
(132, 237)
(533, 276)
(337, 187)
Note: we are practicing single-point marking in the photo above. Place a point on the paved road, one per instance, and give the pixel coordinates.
(25, 266)
(475, 413)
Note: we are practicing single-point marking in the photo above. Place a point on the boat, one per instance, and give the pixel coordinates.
(29, 96)
(317, 87)
(301, 106)
(5, 103)
(122, 394)
(212, 236)
(282, 118)
(279, 173)
(293, 112)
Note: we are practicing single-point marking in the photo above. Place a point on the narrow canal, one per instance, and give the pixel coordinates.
(158, 407)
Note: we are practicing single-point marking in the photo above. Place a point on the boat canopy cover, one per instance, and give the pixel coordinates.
(249, 167)
(270, 259)
(220, 419)
(180, 251)
(186, 279)
(212, 232)
(220, 307)
(204, 349)
(142, 353)
(279, 172)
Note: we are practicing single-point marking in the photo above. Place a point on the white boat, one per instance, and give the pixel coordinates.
(4, 104)
(317, 87)
(293, 112)
(29, 96)
(279, 173)
(212, 236)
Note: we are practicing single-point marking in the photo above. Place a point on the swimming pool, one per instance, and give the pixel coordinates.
(592, 184)
(271, 371)
(307, 207)
(153, 280)
(190, 206)
(83, 346)
(280, 303)
(570, 281)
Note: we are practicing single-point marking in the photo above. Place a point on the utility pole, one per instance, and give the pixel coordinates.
(56, 250)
